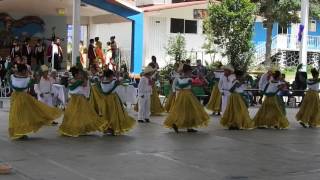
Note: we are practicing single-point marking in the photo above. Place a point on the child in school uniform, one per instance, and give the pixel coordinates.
(309, 113)
(27, 114)
(272, 113)
(187, 112)
(144, 95)
(80, 118)
(236, 115)
(113, 112)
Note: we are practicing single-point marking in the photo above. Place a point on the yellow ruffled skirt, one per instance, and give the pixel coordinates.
(115, 116)
(156, 107)
(214, 103)
(80, 118)
(95, 98)
(271, 114)
(28, 115)
(170, 102)
(187, 112)
(309, 112)
(236, 113)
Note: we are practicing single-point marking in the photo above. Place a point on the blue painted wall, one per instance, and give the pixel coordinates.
(317, 33)
(259, 35)
(137, 29)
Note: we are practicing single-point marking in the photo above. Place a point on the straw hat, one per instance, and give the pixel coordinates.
(228, 67)
(148, 70)
(44, 68)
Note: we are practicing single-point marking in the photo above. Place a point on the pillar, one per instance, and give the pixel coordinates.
(304, 40)
(75, 30)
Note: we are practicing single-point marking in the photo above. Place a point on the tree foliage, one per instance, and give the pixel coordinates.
(176, 47)
(230, 25)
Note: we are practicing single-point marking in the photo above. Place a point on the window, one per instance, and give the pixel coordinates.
(177, 25)
(183, 26)
(282, 29)
(313, 26)
(191, 27)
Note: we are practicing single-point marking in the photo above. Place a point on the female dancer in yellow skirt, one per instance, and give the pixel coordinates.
(116, 117)
(174, 75)
(80, 118)
(236, 115)
(172, 97)
(187, 111)
(272, 113)
(95, 95)
(26, 113)
(309, 113)
(156, 107)
(214, 103)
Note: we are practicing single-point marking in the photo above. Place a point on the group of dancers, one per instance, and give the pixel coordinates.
(95, 106)
(227, 98)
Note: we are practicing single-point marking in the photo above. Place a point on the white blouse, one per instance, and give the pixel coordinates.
(20, 82)
(81, 90)
(273, 86)
(106, 87)
(183, 81)
(314, 87)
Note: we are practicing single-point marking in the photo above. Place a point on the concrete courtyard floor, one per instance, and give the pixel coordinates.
(151, 152)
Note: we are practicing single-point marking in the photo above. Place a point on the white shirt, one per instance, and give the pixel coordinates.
(314, 87)
(264, 81)
(183, 81)
(226, 83)
(144, 88)
(218, 74)
(20, 82)
(45, 86)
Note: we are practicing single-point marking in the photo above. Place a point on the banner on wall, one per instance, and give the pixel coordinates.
(200, 13)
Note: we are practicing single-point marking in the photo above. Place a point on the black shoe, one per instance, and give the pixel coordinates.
(175, 128)
(141, 121)
(234, 128)
(303, 125)
(147, 120)
(54, 123)
(218, 114)
(24, 137)
(191, 130)
(261, 127)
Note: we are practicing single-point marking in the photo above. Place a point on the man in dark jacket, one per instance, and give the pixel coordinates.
(91, 53)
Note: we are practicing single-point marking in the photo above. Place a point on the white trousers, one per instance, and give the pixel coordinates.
(46, 99)
(224, 102)
(144, 107)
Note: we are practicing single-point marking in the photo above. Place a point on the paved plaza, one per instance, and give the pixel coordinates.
(151, 152)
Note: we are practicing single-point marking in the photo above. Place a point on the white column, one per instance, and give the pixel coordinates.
(304, 40)
(75, 30)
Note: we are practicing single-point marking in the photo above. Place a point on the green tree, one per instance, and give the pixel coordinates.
(282, 12)
(230, 26)
(176, 47)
